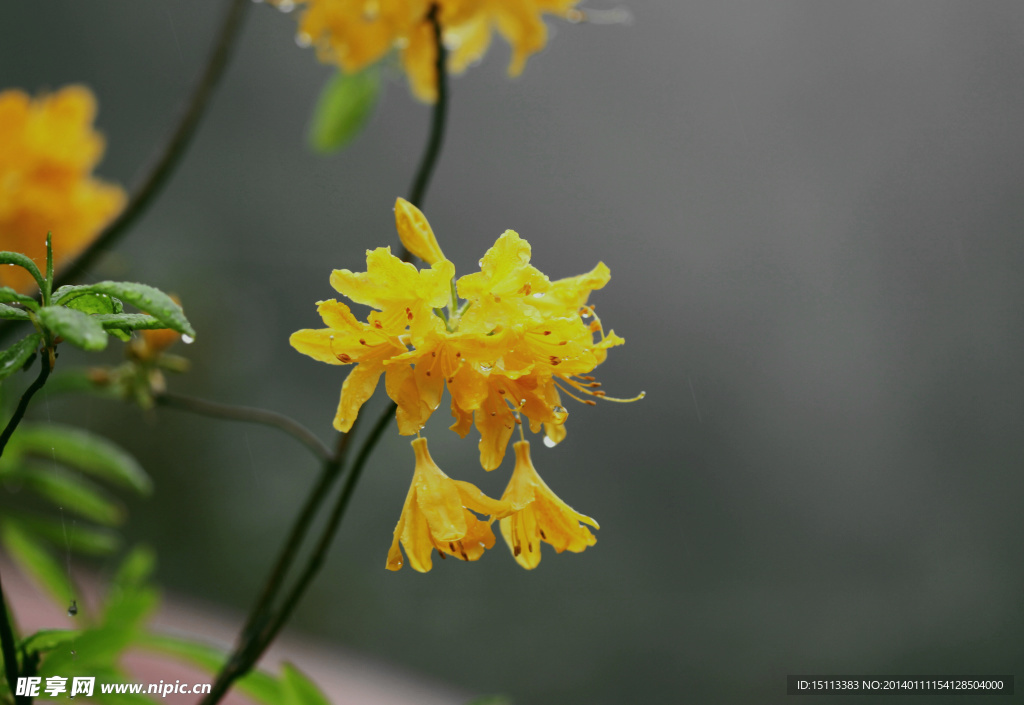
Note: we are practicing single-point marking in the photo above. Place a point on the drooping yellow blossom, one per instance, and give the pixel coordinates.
(539, 515)
(357, 33)
(437, 515)
(48, 149)
(515, 344)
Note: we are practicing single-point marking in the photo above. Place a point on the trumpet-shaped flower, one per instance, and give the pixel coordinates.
(48, 149)
(539, 515)
(357, 33)
(437, 516)
(510, 350)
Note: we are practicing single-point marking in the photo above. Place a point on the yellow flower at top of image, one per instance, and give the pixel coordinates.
(48, 149)
(356, 33)
(509, 349)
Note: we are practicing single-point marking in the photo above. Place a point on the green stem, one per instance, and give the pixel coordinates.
(170, 154)
(247, 414)
(439, 118)
(45, 367)
(262, 627)
(9, 650)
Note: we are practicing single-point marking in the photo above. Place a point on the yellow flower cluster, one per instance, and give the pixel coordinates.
(357, 33)
(48, 149)
(510, 343)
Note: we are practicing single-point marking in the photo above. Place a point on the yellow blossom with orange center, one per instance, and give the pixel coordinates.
(357, 33)
(48, 150)
(509, 349)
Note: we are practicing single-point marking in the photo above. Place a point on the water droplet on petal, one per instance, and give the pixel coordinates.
(187, 339)
(539, 295)
(303, 40)
(480, 263)
(286, 6)
(485, 368)
(549, 443)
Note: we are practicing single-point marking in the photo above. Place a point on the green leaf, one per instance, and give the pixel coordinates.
(20, 260)
(9, 295)
(35, 560)
(129, 321)
(344, 106)
(84, 451)
(74, 326)
(95, 303)
(49, 639)
(149, 300)
(256, 684)
(13, 314)
(298, 689)
(136, 568)
(83, 539)
(70, 493)
(14, 358)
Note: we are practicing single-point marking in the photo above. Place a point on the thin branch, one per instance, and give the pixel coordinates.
(261, 627)
(247, 414)
(45, 367)
(439, 118)
(9, 651)
(169, 155)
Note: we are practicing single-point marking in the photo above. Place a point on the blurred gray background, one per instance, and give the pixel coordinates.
(812, 213)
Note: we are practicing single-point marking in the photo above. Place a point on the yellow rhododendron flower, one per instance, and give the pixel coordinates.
(437, 516)
(539, 515)
(48, 149)
(515, 344)
(357, 33)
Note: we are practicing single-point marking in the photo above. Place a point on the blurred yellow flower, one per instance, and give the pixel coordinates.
(539, 515)
(515, 344)
(437, 516)
(357, 33)
(48, 149)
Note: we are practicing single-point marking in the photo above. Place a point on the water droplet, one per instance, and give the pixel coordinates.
(522, 402)
(549, 443)
(303, 40)
(480, 263)
(486, 368)
(642, 395)
(452, 41)
(585, 314)
(286, 6)
(73, 608)
(187, 339)
(539, 295)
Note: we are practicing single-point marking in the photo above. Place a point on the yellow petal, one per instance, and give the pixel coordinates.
(358, 387)
(416, 233)
(437, 496)
(413, 413)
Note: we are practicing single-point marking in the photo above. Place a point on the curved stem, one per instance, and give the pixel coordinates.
(247, 414)
(170, 153)
(45, 367)
(262, 627)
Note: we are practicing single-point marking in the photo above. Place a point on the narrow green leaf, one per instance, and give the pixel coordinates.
(74, 326)
(256, 684)
(95, 303)
(149, 300)
(70, 493)
(344, 106)
(14, 358)
(13, 314)
(136, 568)
(298, 689)
(87, 540)
(20, 260)
(9, 295)
(49, 639)
(48, 284)
(35, 560)
(84, 451)
(128, 321)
